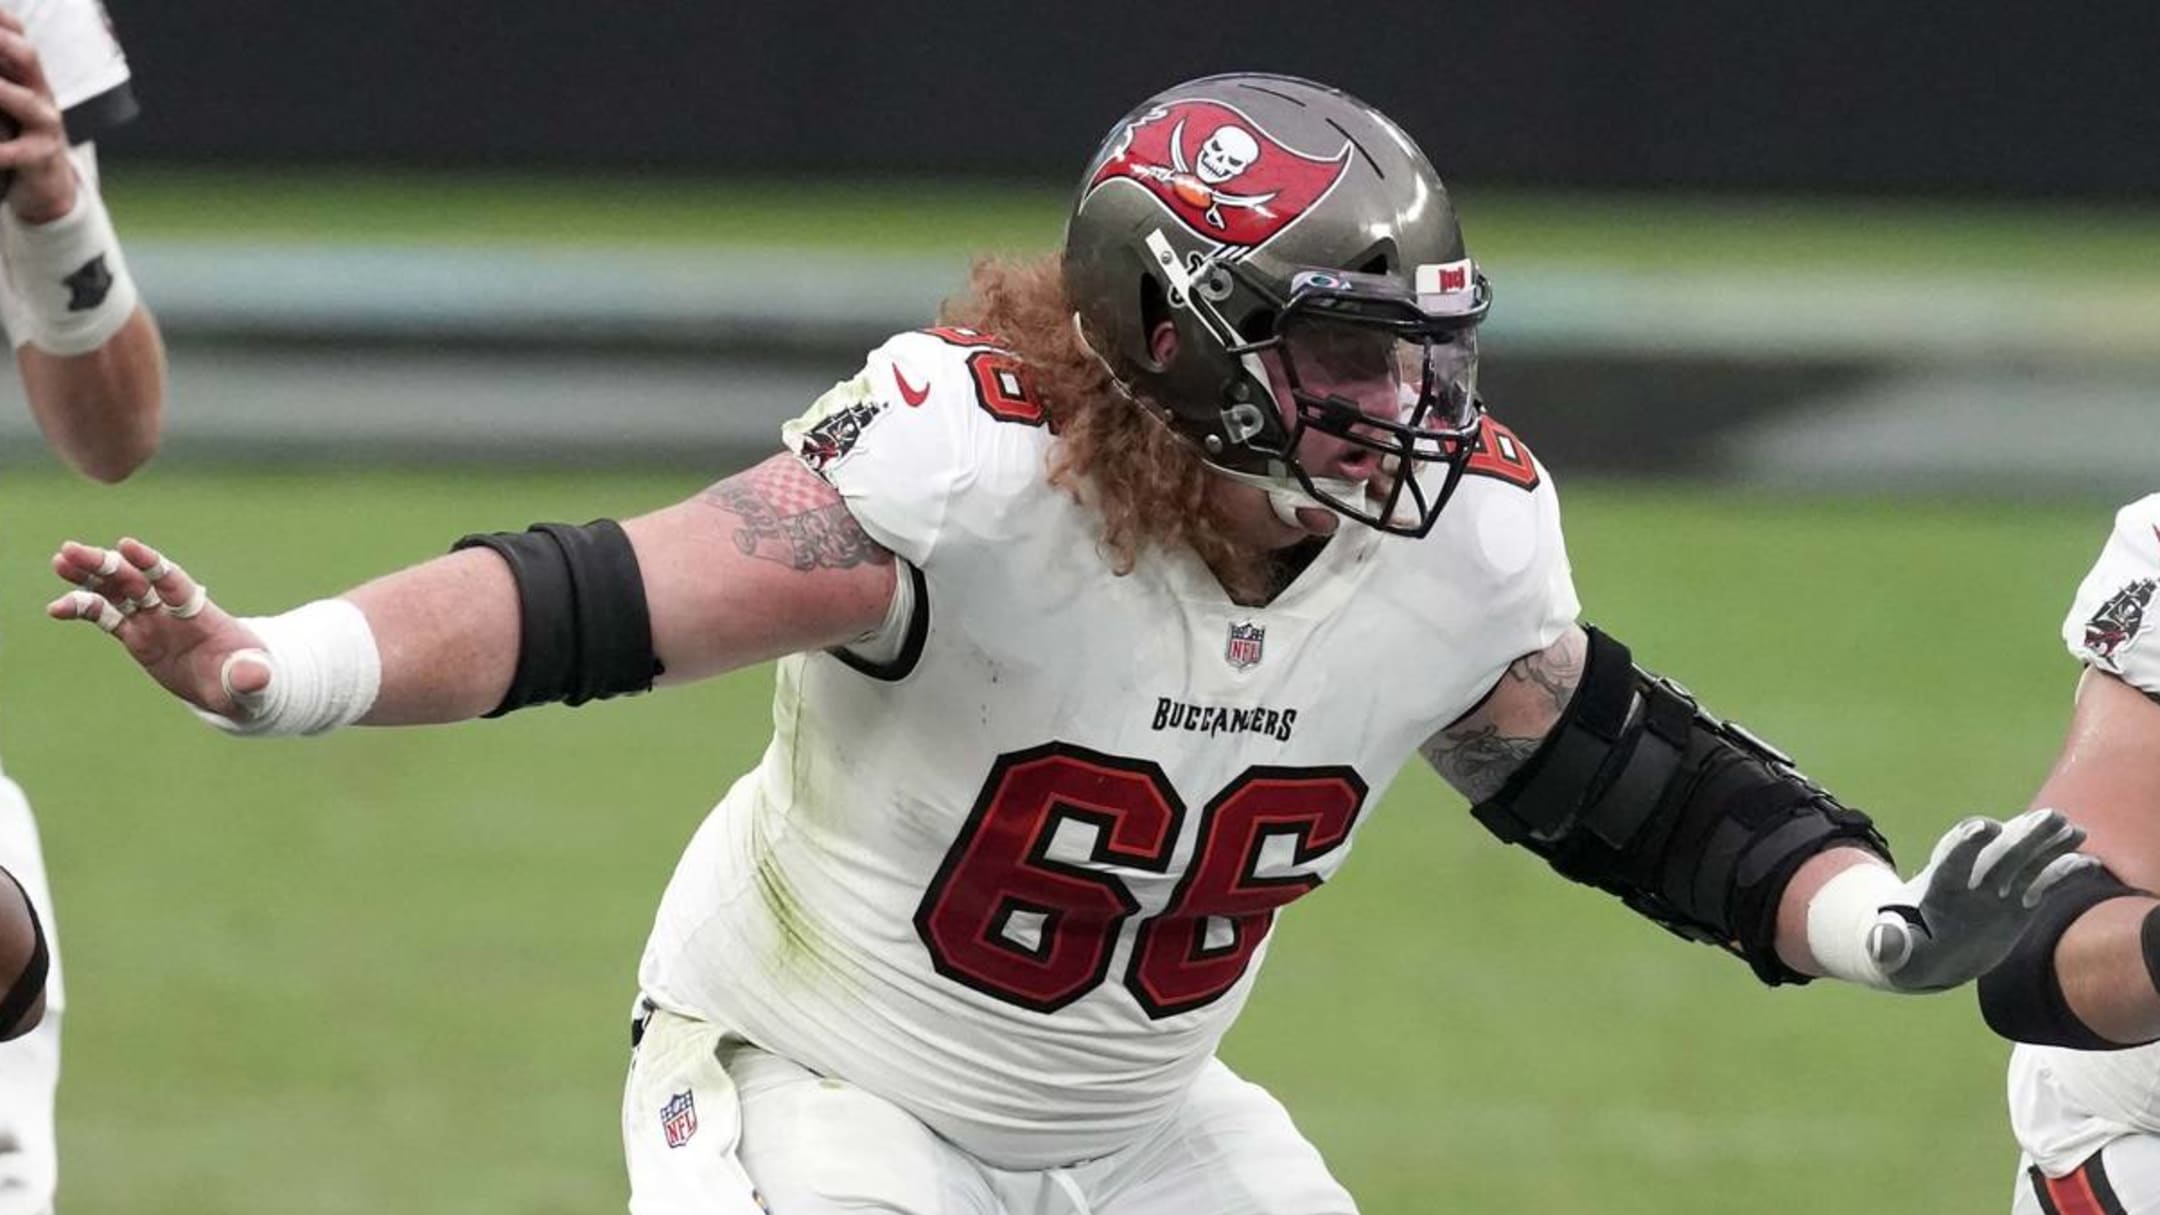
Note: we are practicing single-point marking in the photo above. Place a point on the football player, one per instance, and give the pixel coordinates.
(1106, 611)
(2081, 985)
(93, 369)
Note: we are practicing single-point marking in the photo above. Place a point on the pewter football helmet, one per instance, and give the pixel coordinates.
(1257, 212)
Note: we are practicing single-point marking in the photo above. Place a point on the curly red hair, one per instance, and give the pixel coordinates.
(1148, 484)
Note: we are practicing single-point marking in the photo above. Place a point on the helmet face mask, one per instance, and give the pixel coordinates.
(1334, 284)
(1390, 386)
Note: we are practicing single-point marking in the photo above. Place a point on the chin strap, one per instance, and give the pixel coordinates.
(1286, 505)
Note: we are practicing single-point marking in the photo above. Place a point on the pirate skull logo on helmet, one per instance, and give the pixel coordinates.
(1227, 153)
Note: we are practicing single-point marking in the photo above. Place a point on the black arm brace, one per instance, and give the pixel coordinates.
(586, 634)
(2022, 998)
(1691, 821)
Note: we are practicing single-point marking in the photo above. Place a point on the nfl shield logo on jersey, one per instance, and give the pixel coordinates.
(1246, 640)
(678, 1118)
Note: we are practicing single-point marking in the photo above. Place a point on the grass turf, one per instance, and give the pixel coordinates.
(388, 970)
(1506, 228)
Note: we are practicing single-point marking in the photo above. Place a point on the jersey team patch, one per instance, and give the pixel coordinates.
(834, 423)
(2119, 620)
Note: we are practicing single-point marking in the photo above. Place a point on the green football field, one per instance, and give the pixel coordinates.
(1506, 228)
(388, 971)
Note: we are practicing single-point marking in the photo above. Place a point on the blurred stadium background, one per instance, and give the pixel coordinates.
(1843, 336)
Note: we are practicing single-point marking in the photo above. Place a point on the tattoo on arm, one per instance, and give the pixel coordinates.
(1554, 672)
(1476, 758)
(787, 514)
(1477, 755)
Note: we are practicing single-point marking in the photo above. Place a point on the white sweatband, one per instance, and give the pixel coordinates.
(324, 671)
(1841, 917)
(71, 285)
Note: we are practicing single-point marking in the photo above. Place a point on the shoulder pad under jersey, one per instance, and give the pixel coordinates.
(936, 419)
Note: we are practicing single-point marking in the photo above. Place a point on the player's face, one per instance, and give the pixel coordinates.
(1329, 381)
(1361, 377)
(1344, 390)
(1358, 374)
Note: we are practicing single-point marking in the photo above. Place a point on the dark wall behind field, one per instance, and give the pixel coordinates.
(1988, 96)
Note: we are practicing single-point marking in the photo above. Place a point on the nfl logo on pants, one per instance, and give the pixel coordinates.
(1245, 642)
(678, 1119)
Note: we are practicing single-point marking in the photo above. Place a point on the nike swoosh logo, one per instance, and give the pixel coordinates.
(908, 392)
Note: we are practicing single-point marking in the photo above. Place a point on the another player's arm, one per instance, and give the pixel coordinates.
(2097, 954)
(103, 412)
(92, 361)
(765, 563)
(1617, 779)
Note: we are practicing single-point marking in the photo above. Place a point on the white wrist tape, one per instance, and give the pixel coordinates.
(69, 277)
(1841, 919)
(324, 671)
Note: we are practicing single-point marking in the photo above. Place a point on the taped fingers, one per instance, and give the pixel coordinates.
(181, 596)
(86, 565)
(90, 606)
(103, 571)
(244, 675)
(131, 576)
(192, 606)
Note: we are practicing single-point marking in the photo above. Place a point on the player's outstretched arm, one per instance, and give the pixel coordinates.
(91, 359)
(1619, 780)
(765, 563)
(2086, 977)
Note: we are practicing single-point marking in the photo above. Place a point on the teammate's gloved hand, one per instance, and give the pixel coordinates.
(1960, 914)
(35, 145)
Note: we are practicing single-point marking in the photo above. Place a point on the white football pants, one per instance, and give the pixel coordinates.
(715, 1126)
(2122, 1178)
(30, 1065)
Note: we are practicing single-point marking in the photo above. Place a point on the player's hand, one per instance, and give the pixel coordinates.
(167, 622)
(1965, 910)
(43, 186)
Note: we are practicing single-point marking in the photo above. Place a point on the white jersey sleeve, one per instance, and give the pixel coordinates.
(2109, 625)
(89, 78)
(908, 438)
(82, 59)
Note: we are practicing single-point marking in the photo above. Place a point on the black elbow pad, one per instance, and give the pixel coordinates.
(585, 632)
(2022, 998)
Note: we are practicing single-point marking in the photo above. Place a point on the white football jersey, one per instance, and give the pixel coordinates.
(82, 60)
(1017, 875)
(89, 78)
(2066, 1104)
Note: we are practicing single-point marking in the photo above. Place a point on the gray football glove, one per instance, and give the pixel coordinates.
(1961, 913)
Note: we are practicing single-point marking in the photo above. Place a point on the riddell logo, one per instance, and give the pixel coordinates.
(1220, 172)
